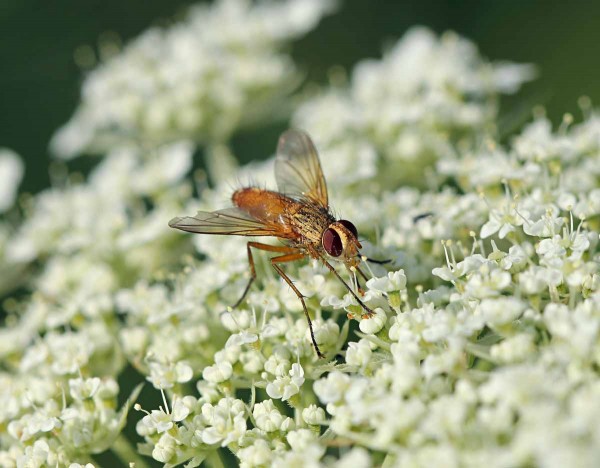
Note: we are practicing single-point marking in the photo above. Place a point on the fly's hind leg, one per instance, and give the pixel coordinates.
(266, 247)
(290, 258)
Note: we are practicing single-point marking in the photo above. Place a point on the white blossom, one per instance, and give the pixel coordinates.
(257, 454)
(11, 173)
(313, 415)
(286, 386)
(226, 422)
(197, 78)
(218, 372)
(267, 417)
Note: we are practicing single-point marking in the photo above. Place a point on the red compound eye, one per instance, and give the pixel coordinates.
(348, 225)
(332, 243)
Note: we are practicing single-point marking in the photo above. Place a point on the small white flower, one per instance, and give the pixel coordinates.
(240, 339)
(134, 340)
(446, 362)
(82, 389)
(469, 264)
(165, 376)
(501, 310)
(395, 281)
(267, 417)
(278, 363)
(276, 326)
(503, 220)
(537, 279)
(335, 302)
(545, 224)
(375, 323)
(158, 420)
(36, 455)
(258, 454)
(487, 282)
(326, 332)
(356, 457)
(252, 361)
(235, 322)
(213, 435)
(358, 354)
(287, 425)
(69, 351)
(550, 248)
(33, 423)
(226, 422)
(305, 441)
(514, 349)
(286, 386)
(182, 407)
(515, 260)
(332, 388)
(164, 449)
(218, 373)
(313, 415)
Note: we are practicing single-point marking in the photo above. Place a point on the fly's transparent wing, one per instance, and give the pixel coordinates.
(298, 170)
(232, 221)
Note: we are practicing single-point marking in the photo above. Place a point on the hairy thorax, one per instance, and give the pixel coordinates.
(310, 221)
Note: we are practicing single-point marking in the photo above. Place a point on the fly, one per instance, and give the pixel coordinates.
(298, 214)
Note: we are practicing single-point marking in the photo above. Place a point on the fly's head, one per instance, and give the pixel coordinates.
(340, 241)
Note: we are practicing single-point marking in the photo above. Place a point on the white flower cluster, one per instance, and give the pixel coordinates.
(484, 347)
(201, 78)
(57, 424)
(94, 253)
(403, 112)
(495, 368)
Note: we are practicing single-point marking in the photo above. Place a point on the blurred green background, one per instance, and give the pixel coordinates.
(39, 82)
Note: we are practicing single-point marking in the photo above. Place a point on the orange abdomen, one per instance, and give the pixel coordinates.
(264, 205)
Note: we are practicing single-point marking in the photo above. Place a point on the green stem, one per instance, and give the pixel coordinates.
(124, 451)
(214, 459)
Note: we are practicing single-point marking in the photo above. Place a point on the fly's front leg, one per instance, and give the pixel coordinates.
(367, 259)
(361, 291)
(267, 248)
(291, 258)
(368, 312)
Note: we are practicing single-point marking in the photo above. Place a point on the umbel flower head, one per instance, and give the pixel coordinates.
(221, 68)
(484, 344)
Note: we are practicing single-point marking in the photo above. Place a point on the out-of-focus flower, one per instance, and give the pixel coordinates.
(403, 112)
(11, 173)
(201, 78)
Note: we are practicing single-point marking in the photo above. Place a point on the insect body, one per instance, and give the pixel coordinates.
(298, 214)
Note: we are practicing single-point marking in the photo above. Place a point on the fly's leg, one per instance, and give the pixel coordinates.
(368, 312)
(362, 273)
(290, 258)
(361, 291)
(367, 259)
(260, 246)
